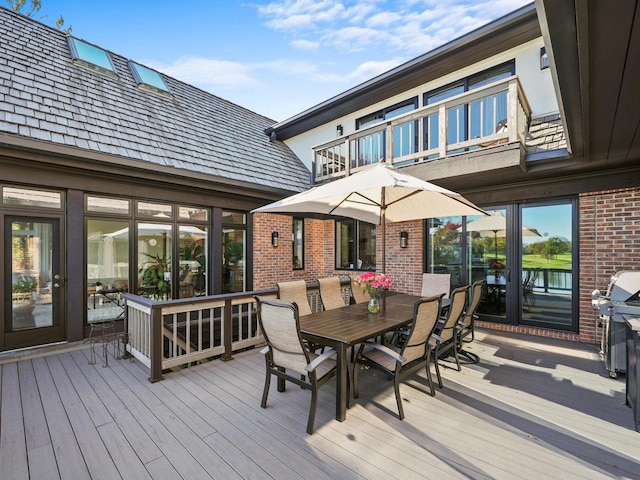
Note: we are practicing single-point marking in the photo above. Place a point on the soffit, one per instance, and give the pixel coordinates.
(594, 50)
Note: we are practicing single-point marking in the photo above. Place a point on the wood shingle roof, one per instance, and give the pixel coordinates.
(45, 96)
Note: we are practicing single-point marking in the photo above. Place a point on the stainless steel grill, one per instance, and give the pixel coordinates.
(621, 300)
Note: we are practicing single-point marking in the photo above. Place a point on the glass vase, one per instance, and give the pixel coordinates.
(373, 306)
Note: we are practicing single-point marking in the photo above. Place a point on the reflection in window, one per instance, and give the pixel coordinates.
(108, 205)
(154, 260)
(445, 248)
(193, 246)
(234, 240)
(146, 76)
(355, 245)
(107, 268)
(298, 243)
(90, 54)
(31, 198)
(156, 210)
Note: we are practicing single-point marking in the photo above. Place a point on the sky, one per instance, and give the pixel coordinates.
(276, 58)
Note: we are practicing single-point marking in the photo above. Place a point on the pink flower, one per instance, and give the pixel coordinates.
(374, 284)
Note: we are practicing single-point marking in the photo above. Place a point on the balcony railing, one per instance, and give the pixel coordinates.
(174, 333)
(487, 116)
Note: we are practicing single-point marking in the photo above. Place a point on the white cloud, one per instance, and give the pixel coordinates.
(305, 44)
(198, 70)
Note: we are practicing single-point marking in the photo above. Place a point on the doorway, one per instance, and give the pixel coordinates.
(34, 282)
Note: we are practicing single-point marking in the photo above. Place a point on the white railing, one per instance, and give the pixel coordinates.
(485, 117)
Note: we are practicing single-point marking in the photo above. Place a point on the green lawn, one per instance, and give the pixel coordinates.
(562, 262)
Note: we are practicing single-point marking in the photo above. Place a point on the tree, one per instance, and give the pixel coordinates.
(33, 8)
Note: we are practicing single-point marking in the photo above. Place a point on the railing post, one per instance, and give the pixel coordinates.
(156, 348)
(512, 106)
(442, 131)
(227, 333)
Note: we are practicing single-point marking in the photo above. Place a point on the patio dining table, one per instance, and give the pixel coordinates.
(342, 328)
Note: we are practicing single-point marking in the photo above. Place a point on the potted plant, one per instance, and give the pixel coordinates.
(153, 276)
(22, 299)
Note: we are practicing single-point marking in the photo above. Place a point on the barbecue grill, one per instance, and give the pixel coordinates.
(621, 300)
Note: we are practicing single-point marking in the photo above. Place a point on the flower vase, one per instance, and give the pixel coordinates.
(373, 306)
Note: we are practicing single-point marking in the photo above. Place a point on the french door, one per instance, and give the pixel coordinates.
(34, 282)
(524, 252)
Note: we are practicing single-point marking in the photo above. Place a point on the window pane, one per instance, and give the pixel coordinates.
(147, 76)
(234, 217)
(157, 210)
(443, 94)
(154, 260)
(193, 213)
(108, 205)
(233, 271)
(31, 198)
(345, 244)
(445, 248)
(193, 247)
(298, 243)
(107, 268)
(91, 54)
(366, 246)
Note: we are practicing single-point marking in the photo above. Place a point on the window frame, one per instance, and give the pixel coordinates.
(354, 245)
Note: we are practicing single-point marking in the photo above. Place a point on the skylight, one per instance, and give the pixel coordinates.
(146, 77)
(90, 54)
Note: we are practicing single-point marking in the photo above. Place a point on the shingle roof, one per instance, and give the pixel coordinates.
(44, 95)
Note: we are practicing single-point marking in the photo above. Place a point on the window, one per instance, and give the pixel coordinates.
(234, 240)
(371, 148)
(355, 245)
(108, 205)
(479, 118)
(146, 77)
(26, 197)
(90, 55)
(298, 244)
(107, 268)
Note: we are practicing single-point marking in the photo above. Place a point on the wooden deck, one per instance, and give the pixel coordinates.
(532, 408)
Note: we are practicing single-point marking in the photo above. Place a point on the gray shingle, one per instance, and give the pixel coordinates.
(194, 130)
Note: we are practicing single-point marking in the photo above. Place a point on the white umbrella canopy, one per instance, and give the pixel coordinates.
(497, 223)
(379, 195)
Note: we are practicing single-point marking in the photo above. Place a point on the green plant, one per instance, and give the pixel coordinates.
(23, 285)
(192, 251)
(233, 251)
(153, 272)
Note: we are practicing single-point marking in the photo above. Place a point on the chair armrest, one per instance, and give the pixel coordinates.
(392, 353)
(265, 350)
(318, 360)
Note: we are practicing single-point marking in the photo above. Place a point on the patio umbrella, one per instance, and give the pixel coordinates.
(377, 195)
(497, 223)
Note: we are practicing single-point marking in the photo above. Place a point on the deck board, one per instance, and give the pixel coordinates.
(531, 408)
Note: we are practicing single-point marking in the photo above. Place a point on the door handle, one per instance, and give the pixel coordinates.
(59, 281)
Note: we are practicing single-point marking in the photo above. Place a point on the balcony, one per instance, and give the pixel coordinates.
(478, 119)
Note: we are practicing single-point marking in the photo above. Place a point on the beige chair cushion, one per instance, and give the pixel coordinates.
(331, 293)
(295, 291)
(356, 292)
(435, 284)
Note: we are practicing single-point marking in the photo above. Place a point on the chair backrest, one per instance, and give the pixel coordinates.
(435, 284)
(331, 293)
(358, 294)
(476, 296)
(425, 317)
(280, 326)
(295, 291)
(456, 310)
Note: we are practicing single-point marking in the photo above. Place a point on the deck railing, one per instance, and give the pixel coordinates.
(487, 116)
(175, 333)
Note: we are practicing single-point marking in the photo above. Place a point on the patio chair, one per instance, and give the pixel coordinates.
(331, 293)
(445, 335)
(286, 356)
(465, 326)
(295, 291)
(357, 294)
(435, 284)
(398, 363)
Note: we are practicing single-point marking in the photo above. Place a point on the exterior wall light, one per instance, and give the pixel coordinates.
(544, 59)
(274, 238)
(404, 239)
(339, 130)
